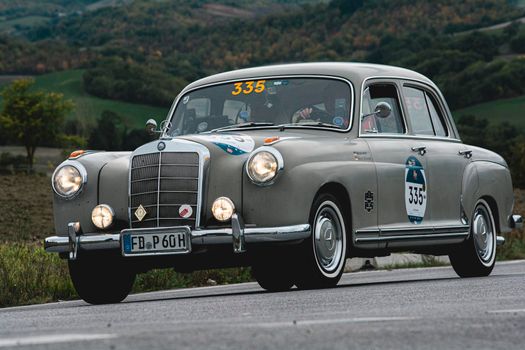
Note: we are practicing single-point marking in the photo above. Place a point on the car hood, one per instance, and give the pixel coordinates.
(243, 143)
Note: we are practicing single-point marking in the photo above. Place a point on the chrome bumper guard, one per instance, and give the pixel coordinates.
(237, 235)
(516, 221)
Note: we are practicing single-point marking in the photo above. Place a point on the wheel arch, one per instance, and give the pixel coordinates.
(340, 192)
(493, 206)
(491, 182)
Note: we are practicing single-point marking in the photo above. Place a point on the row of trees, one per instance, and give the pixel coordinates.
(127, 81)
(35, 118)
(503, 138)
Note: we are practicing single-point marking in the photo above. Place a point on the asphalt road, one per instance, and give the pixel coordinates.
(401, 309)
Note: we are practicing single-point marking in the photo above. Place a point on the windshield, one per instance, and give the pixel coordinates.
(311, 102)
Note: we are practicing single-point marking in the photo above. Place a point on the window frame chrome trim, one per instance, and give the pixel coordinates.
(427, 90)
(401, 110)
(173, 108)
(449, 138)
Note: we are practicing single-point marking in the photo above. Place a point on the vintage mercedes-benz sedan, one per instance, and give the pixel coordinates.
(289, 169)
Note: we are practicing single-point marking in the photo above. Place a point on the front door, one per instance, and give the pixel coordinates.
(401, 165)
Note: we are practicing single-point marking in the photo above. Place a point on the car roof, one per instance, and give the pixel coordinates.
(355, 72)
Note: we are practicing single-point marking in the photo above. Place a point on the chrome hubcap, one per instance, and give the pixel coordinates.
(328, 239)
(483, 234)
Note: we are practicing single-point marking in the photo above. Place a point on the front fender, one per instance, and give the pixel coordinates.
(110, 192)
(289, 200)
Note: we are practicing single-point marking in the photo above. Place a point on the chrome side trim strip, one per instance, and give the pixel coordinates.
(411, 237)
(60, 244)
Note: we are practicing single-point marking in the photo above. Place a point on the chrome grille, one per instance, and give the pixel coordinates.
(161, 182)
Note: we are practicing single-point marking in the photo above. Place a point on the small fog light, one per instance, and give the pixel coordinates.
(223, 209)
(102, 216)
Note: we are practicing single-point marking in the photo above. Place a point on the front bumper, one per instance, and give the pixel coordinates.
(236, 235)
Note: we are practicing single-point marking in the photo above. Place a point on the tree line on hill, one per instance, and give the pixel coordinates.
(36, 118)
(146, 52)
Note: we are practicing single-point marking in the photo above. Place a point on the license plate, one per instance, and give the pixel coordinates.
(170, 240)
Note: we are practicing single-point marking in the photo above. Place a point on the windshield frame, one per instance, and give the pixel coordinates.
(185, 91)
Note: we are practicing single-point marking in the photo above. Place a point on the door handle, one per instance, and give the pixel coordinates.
(421, 150)
(466, 153)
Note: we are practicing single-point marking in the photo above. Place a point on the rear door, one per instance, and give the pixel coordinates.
(446, 156)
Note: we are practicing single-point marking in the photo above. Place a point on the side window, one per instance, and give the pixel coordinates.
(418, 112)
(436, 116)
(423, 112)
(371, 124)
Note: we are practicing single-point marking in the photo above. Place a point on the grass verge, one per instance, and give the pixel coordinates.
(427, 261)
(29, 275)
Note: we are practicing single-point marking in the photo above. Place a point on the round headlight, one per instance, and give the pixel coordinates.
(68, 179)
(102, 216)
(223, 209)
(263, 165)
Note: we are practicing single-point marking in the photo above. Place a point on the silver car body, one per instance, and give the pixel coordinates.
(368, 171)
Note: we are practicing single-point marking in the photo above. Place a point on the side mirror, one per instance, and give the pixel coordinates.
(382, 110)
(151, 127)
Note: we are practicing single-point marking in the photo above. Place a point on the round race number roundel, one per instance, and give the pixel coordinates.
(415, 190)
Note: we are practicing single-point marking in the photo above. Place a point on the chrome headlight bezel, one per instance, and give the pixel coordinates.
(83, 174)
(279, 165)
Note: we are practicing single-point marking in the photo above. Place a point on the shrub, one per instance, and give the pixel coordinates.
(11, 164)
(30, 275)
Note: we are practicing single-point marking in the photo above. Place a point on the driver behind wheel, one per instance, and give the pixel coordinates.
(332, 109)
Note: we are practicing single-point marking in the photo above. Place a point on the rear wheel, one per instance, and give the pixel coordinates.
(477, 255)
(101, 279)
(322, 258)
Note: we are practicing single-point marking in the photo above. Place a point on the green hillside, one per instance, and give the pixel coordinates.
(88, 108)
(510, 110)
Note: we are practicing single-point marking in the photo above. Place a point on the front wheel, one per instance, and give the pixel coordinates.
(101, 279)
(322, 258)
(273, 273)
(477, 255)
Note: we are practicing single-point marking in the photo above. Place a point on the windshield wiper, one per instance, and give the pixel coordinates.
(327, 125)
(243, 125)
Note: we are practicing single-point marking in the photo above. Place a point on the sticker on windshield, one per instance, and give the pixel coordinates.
(186, 99)
(338, 121)
(415, 190)
(231, 144)
(247, 87)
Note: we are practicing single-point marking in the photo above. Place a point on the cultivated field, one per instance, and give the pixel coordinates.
(87, 107)
(509, 110)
